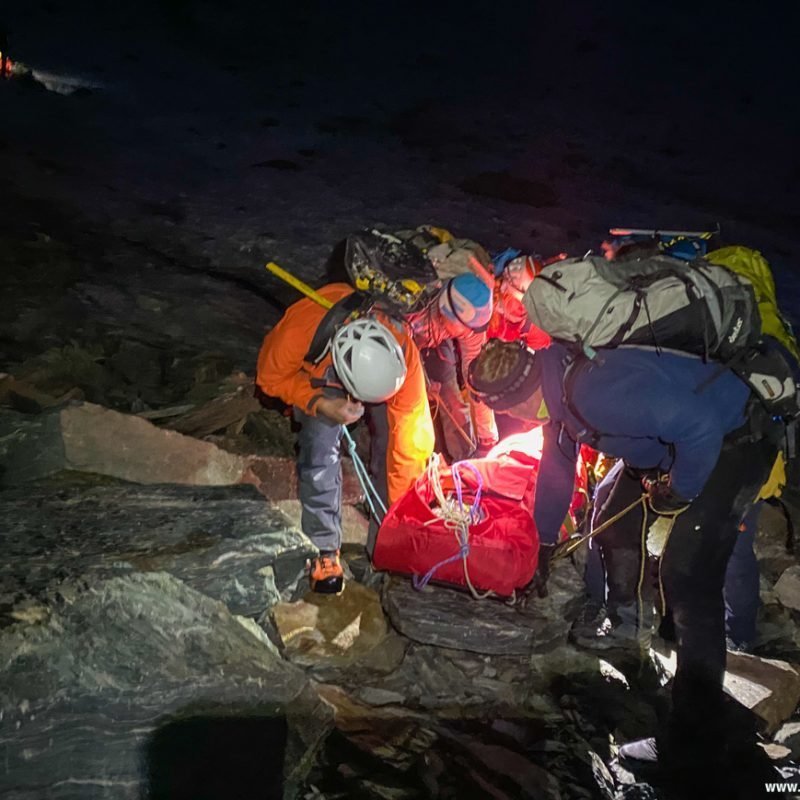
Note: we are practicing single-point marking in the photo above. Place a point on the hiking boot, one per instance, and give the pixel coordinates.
(639, 756)
(592, 617)
(600, 635)
(325, 573)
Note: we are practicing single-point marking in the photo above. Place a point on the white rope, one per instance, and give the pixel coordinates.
(456, 517)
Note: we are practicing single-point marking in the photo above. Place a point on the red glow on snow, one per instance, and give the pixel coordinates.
(530, 442)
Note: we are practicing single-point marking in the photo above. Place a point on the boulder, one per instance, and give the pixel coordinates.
(226, 542)
(787, 589)
(769, 688)
(450, 618)
(89, 438)
(144, 687)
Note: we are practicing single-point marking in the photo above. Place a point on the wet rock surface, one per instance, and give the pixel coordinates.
(225, 542)
(94, 698)
(331, 629)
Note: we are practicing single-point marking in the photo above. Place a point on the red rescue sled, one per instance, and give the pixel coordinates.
(502, 544)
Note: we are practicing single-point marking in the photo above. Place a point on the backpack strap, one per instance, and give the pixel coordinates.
(334, 318)
(585, 435)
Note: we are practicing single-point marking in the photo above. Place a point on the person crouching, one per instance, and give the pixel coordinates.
(366, 366)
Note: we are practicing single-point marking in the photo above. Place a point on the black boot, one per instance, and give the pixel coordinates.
(617, 632)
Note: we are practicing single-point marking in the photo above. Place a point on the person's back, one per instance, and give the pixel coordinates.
(651, 410)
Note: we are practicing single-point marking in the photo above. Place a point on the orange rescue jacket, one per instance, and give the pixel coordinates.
(283, 372)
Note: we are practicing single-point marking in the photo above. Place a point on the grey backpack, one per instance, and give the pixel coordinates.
(662, 302)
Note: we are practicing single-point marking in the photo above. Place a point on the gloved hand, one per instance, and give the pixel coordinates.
(539, 582)
(663, 500)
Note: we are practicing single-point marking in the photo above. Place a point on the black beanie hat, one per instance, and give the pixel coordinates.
(516, 386)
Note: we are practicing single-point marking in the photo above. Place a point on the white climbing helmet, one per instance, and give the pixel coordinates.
(368, 360)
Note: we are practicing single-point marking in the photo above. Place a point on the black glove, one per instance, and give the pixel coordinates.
(539, 582)
(663, 500)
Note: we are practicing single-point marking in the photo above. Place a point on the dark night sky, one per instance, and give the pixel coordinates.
(713, 81)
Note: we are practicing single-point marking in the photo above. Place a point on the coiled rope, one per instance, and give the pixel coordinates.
(457, 517)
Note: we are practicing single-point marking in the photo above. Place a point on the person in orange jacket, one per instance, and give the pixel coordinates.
(365, 366)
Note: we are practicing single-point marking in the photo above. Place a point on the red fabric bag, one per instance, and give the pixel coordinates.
(503, 544)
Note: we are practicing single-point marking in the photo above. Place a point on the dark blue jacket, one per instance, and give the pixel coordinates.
(646, 409)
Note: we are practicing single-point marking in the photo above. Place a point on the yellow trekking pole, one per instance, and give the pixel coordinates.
(287, 277)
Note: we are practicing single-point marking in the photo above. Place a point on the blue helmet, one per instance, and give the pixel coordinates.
(467, 300)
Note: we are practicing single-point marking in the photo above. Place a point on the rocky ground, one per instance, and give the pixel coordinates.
(155, 636)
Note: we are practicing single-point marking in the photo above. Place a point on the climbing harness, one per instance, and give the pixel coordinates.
(457, 517)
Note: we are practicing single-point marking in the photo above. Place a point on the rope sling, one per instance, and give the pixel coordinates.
(457, 517)
(377, 508)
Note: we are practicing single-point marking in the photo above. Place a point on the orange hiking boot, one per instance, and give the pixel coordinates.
(325, 573)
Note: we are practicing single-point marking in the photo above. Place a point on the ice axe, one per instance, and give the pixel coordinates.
(296, 283)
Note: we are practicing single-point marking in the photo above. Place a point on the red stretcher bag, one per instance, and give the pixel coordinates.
(503, 544)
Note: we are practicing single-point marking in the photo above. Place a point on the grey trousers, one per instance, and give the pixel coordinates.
(319, 474)
(319, 479)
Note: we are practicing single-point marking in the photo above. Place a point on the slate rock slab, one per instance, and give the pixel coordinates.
(768, 687)
(226, 542)
(89, 438)
(120, 693)
(787, 588)
(450, 618)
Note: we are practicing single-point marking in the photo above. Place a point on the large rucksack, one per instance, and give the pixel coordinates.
(390, 268)
(752, 265)
(450, 255)
(695, 307)
(660, 302)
